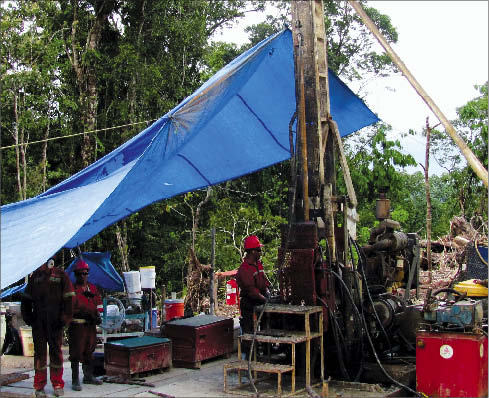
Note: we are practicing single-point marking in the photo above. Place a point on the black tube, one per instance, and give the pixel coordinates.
(354, 306)
(336, 329)
(364, 277)
(399, 384)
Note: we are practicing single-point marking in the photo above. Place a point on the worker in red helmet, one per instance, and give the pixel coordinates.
(82, 333)
(253, 284)
(47, 306)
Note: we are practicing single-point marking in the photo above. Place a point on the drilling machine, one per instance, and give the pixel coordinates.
(319, 261)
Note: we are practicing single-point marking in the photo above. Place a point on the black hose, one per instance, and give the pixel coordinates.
(356, 312)
(364, 277)
(359, 297)
(399, 384)
(339, 329)
(336, 329)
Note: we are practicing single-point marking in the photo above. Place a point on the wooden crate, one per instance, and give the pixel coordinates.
(135, 355)
(199, 338)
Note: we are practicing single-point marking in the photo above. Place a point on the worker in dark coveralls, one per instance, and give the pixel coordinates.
(82, 333)
(47, 306)
(253, 285)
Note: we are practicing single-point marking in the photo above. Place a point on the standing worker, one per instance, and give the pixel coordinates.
(253, 284)
(82, 333)
(47, 306)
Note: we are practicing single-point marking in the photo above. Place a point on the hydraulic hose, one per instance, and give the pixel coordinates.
(336, 330)
(399, 384)
(364, 277)
(343, 284)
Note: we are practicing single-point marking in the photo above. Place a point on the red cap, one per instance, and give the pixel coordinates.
(81, 265)
(252, 242)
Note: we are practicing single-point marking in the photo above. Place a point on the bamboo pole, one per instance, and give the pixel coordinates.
(472, 160)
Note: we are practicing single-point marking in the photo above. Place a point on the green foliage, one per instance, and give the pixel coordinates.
(150, 55)
(471, 195)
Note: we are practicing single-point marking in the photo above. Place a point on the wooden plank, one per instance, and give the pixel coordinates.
(259, 366)
(12, 378)
(289, 309)
(273, 336)
(344, 164)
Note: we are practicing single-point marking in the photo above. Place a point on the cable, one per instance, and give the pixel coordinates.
(399, 384)
(336, 329)
(364, 277)
(345, 373)
(74, 135)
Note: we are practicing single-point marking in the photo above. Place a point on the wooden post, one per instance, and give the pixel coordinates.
(211, 276)
(468, 154)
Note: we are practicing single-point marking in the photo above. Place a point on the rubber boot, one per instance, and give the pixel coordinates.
(88, 374)
(75, 376)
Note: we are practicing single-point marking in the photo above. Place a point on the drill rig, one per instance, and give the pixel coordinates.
(319, 261)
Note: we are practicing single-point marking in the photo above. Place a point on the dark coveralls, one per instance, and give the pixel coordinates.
(47, 307)
(253, 285)
(82, 333)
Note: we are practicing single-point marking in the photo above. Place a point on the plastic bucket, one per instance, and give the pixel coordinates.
(173, 308)
(27, 341)
(148, 277)
(135, 298)
(133, 281)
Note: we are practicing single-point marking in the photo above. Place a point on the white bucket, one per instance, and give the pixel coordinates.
(148, 277)
(27, 341)
(133, 281)
(135, 298)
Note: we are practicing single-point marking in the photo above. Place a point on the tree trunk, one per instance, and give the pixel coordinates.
(86, 78)
(15, 135)
(44, 157)
(122, 245)
(195, 224)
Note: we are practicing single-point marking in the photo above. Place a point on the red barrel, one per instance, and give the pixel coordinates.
(173, 308)
(231, 292)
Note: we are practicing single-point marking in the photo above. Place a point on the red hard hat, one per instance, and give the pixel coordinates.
(81, 265)
(252, 242)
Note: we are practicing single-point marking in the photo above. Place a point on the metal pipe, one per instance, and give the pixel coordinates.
(472, 160)
(302, 123)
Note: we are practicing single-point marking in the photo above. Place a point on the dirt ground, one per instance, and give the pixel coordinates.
(174, 382)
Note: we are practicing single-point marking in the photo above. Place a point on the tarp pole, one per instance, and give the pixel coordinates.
(472, 160)
(211, 276)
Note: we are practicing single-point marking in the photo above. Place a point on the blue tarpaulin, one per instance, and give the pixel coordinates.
(233, 125)
(102, 272)
(11, 291)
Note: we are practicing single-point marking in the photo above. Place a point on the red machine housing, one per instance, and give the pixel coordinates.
(451, 364)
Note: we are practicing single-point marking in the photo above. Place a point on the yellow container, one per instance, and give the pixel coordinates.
(27, 341)
(472, 289)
